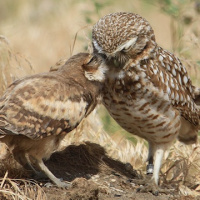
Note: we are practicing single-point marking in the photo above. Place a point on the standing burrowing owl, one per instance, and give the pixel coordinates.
(147, 91)
(36, 112)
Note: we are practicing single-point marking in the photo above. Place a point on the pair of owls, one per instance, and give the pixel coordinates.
(145, 88)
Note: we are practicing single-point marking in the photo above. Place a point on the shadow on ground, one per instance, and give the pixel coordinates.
(86, 160)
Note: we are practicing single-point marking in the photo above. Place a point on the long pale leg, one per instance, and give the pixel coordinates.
(159, 152)
(55, 180)
(151, 185)
(39, 174)
(156, 153)
(23, 159)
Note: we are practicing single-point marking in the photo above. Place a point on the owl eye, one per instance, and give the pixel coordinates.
(91, 60)
(92, 64)
(89, 65)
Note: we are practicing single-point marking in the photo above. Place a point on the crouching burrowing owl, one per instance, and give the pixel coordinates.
(147, 89)
(36, 112)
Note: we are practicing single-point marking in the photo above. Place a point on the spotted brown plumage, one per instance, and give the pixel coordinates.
(36, 112)
(147, 89)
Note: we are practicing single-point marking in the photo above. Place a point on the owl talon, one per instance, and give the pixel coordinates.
(150, 186)
(147, 188)
(59, 184)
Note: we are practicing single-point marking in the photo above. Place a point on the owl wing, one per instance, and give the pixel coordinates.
(169, 75)
(43, 105)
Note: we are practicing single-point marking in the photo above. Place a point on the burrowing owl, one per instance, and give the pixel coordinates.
(36, 112)
(147, 91)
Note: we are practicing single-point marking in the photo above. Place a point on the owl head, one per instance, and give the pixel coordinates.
(121, 36)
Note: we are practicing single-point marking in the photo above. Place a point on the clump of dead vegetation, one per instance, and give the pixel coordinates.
(20, 189)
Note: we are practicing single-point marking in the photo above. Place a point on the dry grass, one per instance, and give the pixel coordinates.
(19, 189)
(13, 65)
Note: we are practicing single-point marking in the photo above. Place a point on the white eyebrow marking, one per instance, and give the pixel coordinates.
(126, 45)
(97, 47)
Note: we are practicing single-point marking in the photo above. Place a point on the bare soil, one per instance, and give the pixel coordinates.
(93, 176)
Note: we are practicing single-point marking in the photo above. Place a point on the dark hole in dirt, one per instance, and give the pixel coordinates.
(85, 160)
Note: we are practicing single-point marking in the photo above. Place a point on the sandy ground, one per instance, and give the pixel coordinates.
(93, 176)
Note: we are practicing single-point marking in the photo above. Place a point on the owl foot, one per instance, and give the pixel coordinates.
(60, 184)
(148, 185)
(153, 188)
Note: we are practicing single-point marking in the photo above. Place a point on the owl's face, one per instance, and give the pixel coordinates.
(95, 69)
(118, 37)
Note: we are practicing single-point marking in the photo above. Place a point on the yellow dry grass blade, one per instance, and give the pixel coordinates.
(75, 38)
(19, 189)
(12, 65)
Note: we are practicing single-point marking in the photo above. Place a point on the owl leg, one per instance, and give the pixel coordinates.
(156, 153)
(19, 157)
(38, 173)
(49, 174)
(151, 185)
(159, 152)
(23, 159)
(150, 166)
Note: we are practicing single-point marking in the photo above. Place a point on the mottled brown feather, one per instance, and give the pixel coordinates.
(47, 94)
